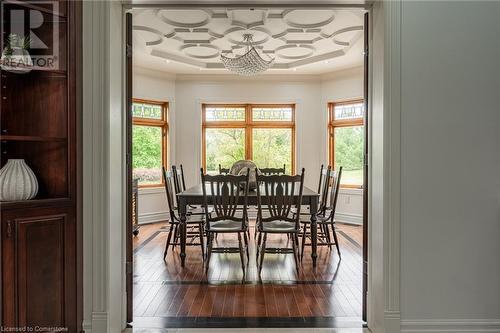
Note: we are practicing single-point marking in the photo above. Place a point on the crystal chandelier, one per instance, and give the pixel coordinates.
(251, 63)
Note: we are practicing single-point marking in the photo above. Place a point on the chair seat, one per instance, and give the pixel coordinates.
(319, 219)
(226, 226)
(199, 210)
(192, 219)
(279, 226)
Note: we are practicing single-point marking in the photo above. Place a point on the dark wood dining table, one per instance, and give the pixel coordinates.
(194, 196)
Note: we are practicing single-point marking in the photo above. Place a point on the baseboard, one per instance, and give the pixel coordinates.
(349, 218)
(450, 325)
(87, 326)
(98, 323)
(392, 321)
(153, 217)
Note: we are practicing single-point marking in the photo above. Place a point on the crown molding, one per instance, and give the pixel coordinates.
(284, 78)
(340, 74)
(154, 73)
(343, 73)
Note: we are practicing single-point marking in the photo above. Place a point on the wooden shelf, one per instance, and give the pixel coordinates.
(31, 5)
(30, 138)
(36, 69)
(41, 202)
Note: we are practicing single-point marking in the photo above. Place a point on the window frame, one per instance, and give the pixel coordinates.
(333, 124)
(161, 123)
(248, 124)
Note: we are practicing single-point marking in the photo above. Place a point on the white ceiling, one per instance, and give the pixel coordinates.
(302, 41)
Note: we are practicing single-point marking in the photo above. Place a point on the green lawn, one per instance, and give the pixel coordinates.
(352, 177)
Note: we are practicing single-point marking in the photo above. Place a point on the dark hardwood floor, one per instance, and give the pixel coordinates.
(165, 291)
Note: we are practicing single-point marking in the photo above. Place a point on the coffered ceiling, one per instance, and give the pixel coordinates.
(301, 41)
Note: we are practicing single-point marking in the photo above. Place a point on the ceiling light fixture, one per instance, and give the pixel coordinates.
(250, 63)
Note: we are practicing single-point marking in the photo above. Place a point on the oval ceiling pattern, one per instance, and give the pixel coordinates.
(294, 51)
(201, 51)
(184, 18)
(305, 18)
(293, 37)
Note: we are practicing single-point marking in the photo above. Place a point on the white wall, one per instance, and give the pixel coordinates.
(335, 87)
(450, 166)
(186, 93)
(151, 85)
(192, 91)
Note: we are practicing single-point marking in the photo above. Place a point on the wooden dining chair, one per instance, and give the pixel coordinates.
(273, 171)
(322, 189)
(326, 214)
(223, 171)
(193, 222)
(180, 186)
(323, 186)
(276, 196)
(226, 192)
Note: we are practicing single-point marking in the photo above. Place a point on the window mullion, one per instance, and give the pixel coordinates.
(248, 133)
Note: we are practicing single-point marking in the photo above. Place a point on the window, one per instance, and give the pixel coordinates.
(262, 133)
(346, 140)
(149, 141)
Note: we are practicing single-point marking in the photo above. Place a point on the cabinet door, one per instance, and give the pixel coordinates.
(38, 269)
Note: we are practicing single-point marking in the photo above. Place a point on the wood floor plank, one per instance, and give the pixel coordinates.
(165, 289)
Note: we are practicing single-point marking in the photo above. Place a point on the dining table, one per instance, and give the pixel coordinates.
(194, 196)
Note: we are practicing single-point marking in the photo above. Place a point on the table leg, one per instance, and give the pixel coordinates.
(182, 216)
(313, 207)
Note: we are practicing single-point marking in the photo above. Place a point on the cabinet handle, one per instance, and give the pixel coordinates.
(9, 229)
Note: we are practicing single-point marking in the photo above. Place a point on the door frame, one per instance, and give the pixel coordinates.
(103, 170)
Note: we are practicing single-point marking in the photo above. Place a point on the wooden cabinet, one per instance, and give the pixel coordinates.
(40, 114)
(39, 268)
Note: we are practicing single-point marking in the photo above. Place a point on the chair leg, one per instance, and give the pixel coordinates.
(336, 240)
(200, 226)
(176, 236)
(209, 250)
(298, 245)
(262, 252)
(303, 242)
(245, 238)
(169, 237)
(259, 240)
(294, 247)
(242, 256)
(327, 234)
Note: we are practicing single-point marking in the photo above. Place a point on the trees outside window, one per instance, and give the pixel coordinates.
(149, 141)
(346, 140)
(262, 133)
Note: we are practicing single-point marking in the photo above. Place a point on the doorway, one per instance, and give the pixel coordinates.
(319, 299)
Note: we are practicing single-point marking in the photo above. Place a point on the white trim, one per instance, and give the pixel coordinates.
(204, 78)
(347, 218)
(99, 322)
(100, 22)
(95, 235)
(151, 190)
(450, 325)
(87, 326)
(152, 217)
(103, 167)
(392, 176)
(351, 191)
(392, 321)
(153, 73)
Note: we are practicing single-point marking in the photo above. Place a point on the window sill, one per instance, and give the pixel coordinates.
(152, 189)
(351, 191)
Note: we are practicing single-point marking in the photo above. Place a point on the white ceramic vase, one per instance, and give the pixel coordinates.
(17, 181)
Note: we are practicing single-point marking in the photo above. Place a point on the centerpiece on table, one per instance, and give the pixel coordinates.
(240, 168)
